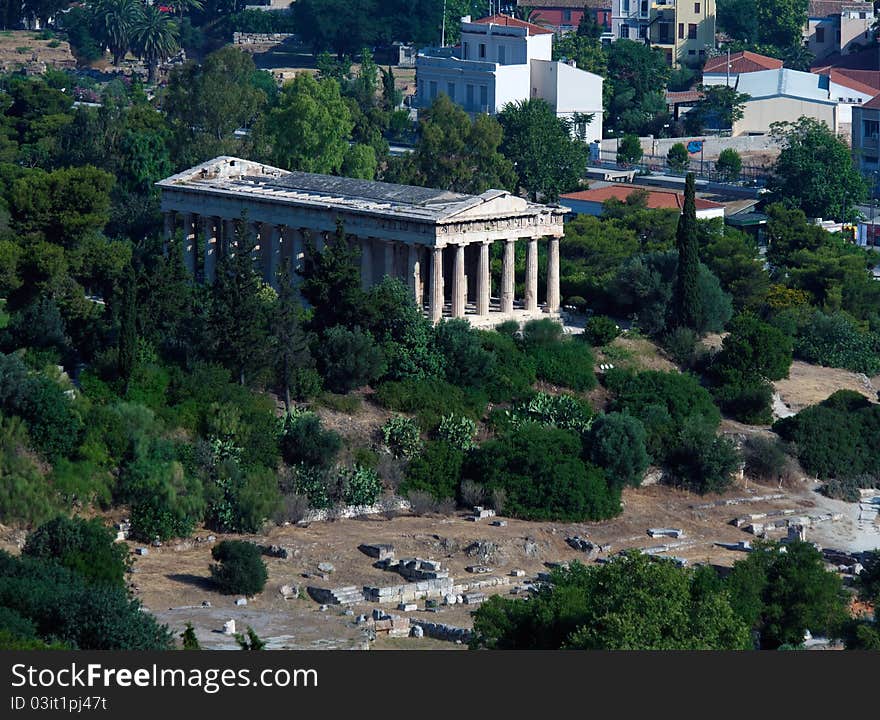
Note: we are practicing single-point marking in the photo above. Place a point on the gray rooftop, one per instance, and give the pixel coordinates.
(234, 176)
(787, 83)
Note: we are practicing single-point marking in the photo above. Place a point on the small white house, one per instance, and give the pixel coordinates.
(501, 60)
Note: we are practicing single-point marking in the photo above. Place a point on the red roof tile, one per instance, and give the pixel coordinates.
(873, 104)
(741, 62)
(657, 199)
(508, 21)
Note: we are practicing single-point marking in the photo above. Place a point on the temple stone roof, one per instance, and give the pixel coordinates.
(243, 178)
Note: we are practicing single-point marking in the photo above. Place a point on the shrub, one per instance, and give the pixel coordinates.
(401, 435)
(542, 475)
(313, 483)
(681, 344)
(747, 399)
(294, 508)
(703, 462)
(629, 150)
(239, 569)
(563, 411)
(421, 502)
(836, 341)
(665, 403)
(465, 362)
(601, 330)
(765, 459)
(241, 500)
(541, 332)
(346, 404)
(348, 359)
(566, 363)
(498, 499)
(513, 373)
(437, 470)
(430, 400)
(360, 485)
(471, 493)
(678, 158)
(304, 440)
(617, 445)
(835, 439)
(85, 546)
(457, 431)
(729, 164)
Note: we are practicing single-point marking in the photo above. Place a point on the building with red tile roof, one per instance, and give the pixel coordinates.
(591, 202)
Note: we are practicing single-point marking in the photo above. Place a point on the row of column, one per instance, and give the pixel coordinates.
(274, 244)
(278, 245)
(482, 293)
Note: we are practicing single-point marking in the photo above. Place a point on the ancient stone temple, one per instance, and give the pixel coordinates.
(436, 241)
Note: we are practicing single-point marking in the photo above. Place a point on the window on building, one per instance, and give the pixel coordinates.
(644, 8)
(837, 36)
(624, 6)
(624, 32)
(566, 15)
(643, 31)
(502, 54)
(450, 90)
(702, 53)
(681, 31)
(482, 50)
(696, 8)
(870, 128)
(469, 97)
(464, 51)
(692, 31)
(433, 90)
(692, 52)
(484, 98)
(820, 35)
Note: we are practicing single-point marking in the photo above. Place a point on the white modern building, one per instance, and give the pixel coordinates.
(501, 60)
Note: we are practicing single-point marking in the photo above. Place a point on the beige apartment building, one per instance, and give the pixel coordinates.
(683, 29)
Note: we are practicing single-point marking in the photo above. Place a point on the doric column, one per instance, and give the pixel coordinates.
(212, 231)
(436, 284)
(388, 258)
(458, 283)
(256, 230)
(297, 245)
(366, 263)
(414, 273)
(553, 275)
(189, 242)
(168, 225)
(532, 275)
(484, 281)
(270, 249)
(507, 276)
(228, 236)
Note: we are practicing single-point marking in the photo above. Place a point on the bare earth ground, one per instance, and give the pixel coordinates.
(173, 580)
(21, 47)
(809, 384)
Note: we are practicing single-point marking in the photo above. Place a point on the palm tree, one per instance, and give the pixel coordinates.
(154, 38)
(114, 20)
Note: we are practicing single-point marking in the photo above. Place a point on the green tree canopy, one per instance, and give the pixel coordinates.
(631, 603)
(814, 171)
(548, 161)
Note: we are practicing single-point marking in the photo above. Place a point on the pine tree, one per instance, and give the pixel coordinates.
(128, 336)
(238, 322)
(291, 341)
(190, 641)
(332, 283)
(686, 307)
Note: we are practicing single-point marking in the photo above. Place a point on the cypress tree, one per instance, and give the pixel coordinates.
(238, 320)
(128, 337)
(291, 341)
(687, 296)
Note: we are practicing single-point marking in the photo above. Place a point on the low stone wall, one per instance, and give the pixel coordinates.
(472, 585)
(440, 631)
(351, 511)
(409, 592)
(241, 38)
